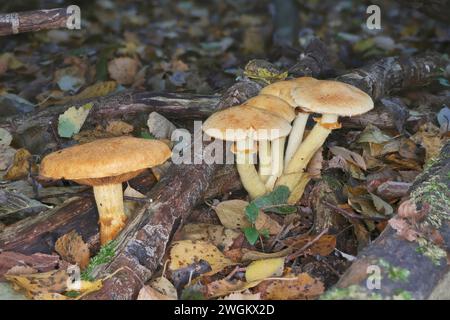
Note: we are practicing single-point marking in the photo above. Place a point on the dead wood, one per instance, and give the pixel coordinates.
(19, 22)
(409, 269)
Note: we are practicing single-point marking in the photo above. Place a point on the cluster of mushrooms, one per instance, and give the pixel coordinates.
(262, 124)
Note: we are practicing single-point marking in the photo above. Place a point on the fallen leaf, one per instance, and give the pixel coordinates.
(428, 136)
(70, 78)
(218, 235)
(159, 126)
(246, 295)
(119, 128)
(40, 283)
(73, 249)
(350, 156)
(6, 156)
(314, 167)
(186, 252)
(165, 287)
(232, 214)
(123, 70)
(264, 222)
(298, 287)
(262, 269)
(99, 89)
(5, 137)
(149, 293)
(443, 118)
(71, 121)
(21, 166)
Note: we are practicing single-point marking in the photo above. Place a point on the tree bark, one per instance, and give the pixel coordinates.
(406, 271)
(19, 22)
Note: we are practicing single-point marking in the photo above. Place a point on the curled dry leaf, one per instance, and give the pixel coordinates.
(298, 287)
(123, 70)
(73, 249)
(186, 252)
(21, 166)
(315, 164)
(403, 228)
(264, 222)
(407, 209)
(349, 156)
(218, 235)
(262, 269)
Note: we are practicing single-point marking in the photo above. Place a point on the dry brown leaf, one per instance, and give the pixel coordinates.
(298, 287)
(315, 164)
(73, 249)
(323, 246)
(21, 166)
(119, 128)
(264, 222)
(349, 156)
(403, 228)
(429, 137)
(149, 293)
(186, 252)
(123, 70)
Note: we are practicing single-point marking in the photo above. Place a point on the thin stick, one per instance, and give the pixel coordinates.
(306, 246)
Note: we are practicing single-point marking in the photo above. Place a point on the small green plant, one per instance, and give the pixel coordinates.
(276, 202)
(105, 255)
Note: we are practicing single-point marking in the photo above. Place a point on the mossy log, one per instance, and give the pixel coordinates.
(395, 268)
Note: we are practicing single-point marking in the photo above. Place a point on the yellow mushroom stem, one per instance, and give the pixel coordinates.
(277, 162)
(296, 135)
(112, 218)
(265, 159)
(315, 139)
(247, 171)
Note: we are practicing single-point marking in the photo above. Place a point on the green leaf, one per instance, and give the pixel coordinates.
(285, 210)
(147, 135)
(251, 234)
(252, 212)
(265, 233)
(71, 121)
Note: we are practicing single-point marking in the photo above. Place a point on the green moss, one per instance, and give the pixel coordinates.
(402, 295)
(395, 273)
(430, 250)
(437, 195)
(105, 255)
(354, 292)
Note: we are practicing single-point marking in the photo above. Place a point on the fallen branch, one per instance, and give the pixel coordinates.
(19, 22)
(417, 269)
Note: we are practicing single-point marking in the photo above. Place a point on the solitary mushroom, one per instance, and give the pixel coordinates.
(244, 125)
(286, 90)
(331, 99)
(104, 164)
(271, 157)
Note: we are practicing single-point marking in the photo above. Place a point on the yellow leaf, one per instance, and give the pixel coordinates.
(262, 269)
(186, 252)
(232, 214)
(118, 128)
(217, 235)
(20, 167)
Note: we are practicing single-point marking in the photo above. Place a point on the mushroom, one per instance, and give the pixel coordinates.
(104, 164)
(331, 99)
(286, 90)
(271, 159)
(244, 125)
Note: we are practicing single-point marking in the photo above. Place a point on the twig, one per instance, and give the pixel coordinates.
(350, 215)
(295, 255)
